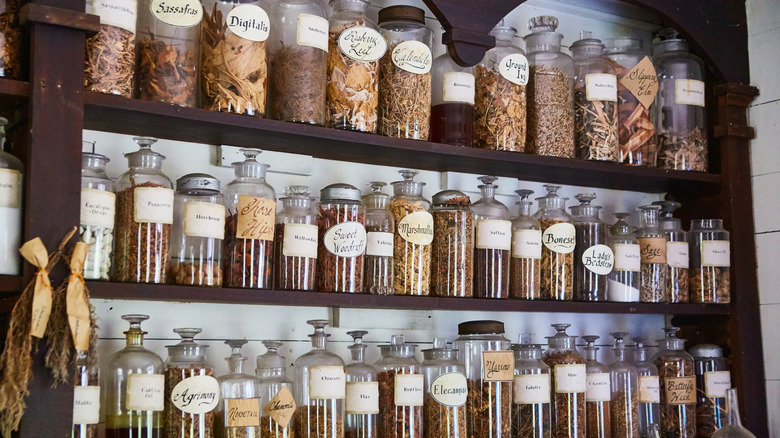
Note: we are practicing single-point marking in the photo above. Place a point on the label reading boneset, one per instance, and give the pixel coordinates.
(716, 383)
(86, 405)
(716, 253)
(362, 44)
(498, 366)
(494, 234)
(408, 390)
(153, 205)
(627, 257)
(177, 13)
(255, 218)
(117, 13)
(559, 238)
(450, 389)
(601, 87)
(327, 382)
(204, 219)
(527, 244)
(249, 22)
(300, 240)
(347, 239)
(413, 56)
(531, 389)
(598, 387)
(570, 378)
(145, 392)
(598, 259)
(514, 68)
(312, 31)
(196, 395)
(458, 87)
(10, 188)
(416, 228)
(677, 254)
(97, 208)
(379, 244)
(649, 389)
(680, 390)
(243, 412)
(362, 398)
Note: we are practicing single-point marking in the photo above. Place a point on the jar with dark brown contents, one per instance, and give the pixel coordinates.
(413, 236)
(401, 390)
(296, 241)
(568, 386)
(446, 391)
(342, 239)
(559, 241)
(710, 252)
(531, 392)
(624, 381)
(592, 255)
(380, 226)
(493, 243)
(86, 396)
(677, 260)
(109, 65)
(453, 244)
(598, 394)
(678, 387)
(526, 262)
(713, 378)
(362, 402)
(652, 249)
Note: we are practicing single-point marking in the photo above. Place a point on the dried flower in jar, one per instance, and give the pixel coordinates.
(550, 114)
(396, 421)
(710, 284)
(453, 243)
(499, 112)
(557, 270)
(247, 262)
(341, 272)
(318, 421)
(165, 73)
(177, 422)
(489, 409)
(568, 408)
(412, 261)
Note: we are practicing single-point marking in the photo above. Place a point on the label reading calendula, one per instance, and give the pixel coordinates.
(598, 259)
(498, 366)
(153, 205)
(204, 219)
(86, 405)
(559, 238)
(327, 382)
(680, 390)
(362, 44)
(531, 389)
(249, 22)
(627, 257)
(677, 254)
(196, 395)
(716, 383)
(689, 92)
(416, 228)
(243, 412)
(570, 378)
(10, 188)
(601, 87)
(312, 31)
(408, 390)
(514, 68)
(379, 244)
(649, 389)
(117, 13)
(177, 13)
(716, 253)
(458, 87)
(413, 56)
(300, 240)
(347, 239)
(97, 208)
(362, 398)
(652, 249)
(145, 392)
(599, 389)
(255, 218)
(494, 234)
(527, 244)
(450, 389)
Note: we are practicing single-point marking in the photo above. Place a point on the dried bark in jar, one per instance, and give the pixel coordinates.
(247, 262)
(567, 409)
(499, 112)
(683, 152)
(110, 62)
(525, 282)
(550, 113)
(294, 95)
(597, 419)
(179, 424)
(396, 421)
(677, 285)
(595, 129)
(196, 273)
(678, 420)
(710, 284)
(557, 270)
(711, 412)
(11, 40)
(653, 283)
(318, 420)
(293, 272)
(625, 406)
(271, 429)
(489, 408)
(404, 100)
(411, 261)
(442, 421)
(165, 73)
(453, 254)
(531, 420)
(337, 273)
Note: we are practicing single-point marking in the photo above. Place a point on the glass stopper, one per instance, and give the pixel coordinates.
(585, 198)
(376, 186)
(408, 174)
(145, 142)
(297, 190)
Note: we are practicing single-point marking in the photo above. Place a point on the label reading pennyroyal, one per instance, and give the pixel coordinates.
(299, 240)
(601, 87)
(716, 253)
(86, 405)
(362, 398)
(416, 228)
(599, 389)
(450, 389)
(531, 389)
(243, 412)
(494, 234)
(10, 188)
(204, 219)
(97, 208)
(153, 205)
(362, 44)
(498, 366)
(514, 68)
(677, 254)
(413, 56)
(559, 238)
(627, 257)
(255, 218)
(249, 22)
(408, 390)
(327, 382)
(379, 244)
(458, 87)
(196, 395)
(347, 239)
(598, 259)
(570, 378)
(312, 31)
(177, 13)
(689, 92)
(117, 13)
(527, 244)
(145, 392)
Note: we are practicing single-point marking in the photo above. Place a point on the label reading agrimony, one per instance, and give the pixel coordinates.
(196, 395)
(281, 407)
(494, 234)
(97, 208)
(10, 188)
(689, 92)
(204, 219)
(413, 56)
(627, 257)
(249, 22)
(327, 382)
(498, 366)
(598, 259)
(408, 390)
(716, 253)
(642, 82)
(362, 398)
(416, 228)
(347, 239)
(677, 254)
(598, 387)
(243, 412)
(450, 389)
(559, 238)
(514, 68)
(312, 31)
(145, 392)
(531, 389)
(601, 86)
(527, 244)
(300, 240)
(716, 383)
(255, 218)
(379, 244)
(153, 205)
(649, 389)
(362, 44)
(458, 87)
(177, 13)
(86, 405)
(118, 13)
(680, 390)
(652, 249)
(570, 378)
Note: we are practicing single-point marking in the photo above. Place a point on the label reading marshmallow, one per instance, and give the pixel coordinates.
(362, 44)
(97, 208)
(362, 398)
(86, 405)
(408, 390)
(117, 13)
(677, 254)
(300, 240)
(196, 395)
(598, 259)
(494, 234)
(599, 389)
(327, 382)
(153, 205)
(416, 228)
(379, 244)
(413, 56)
(527, 244)
(10, 188)
(559, 238)
(347, 239)
(204, 219)
(601, 87)
(570, 378)
(514, 68)
(249, 22)
(312, 31)
(716, 253)
(689, 92)
(716, 383)
(458, 87)
(177, 13)
(627, 257)
(450, 389)
(145, 392)
(531, 389)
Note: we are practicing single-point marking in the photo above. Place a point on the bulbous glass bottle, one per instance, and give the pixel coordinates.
(11, 170)
(652, 248)
(733, 427)
(401, 390)
(362, 402)
(413, 236)
(624, 380)
(593, 259)
(568, 386)
(452, 99)
(98, 209)
(531, 400)
(446, 392)
(380, 226)
(598, 396)
(559, 241)
(275, 393)
(525, 270)
(623, 281)
(238, 413)
(648, 389)
(493, 243)
(677, 260)
(296, 241)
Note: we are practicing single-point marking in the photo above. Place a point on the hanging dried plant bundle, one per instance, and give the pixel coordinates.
(499, 112)
(11, 40)
(296, 91)
(165, 73)
(404, 100)
(110, 61)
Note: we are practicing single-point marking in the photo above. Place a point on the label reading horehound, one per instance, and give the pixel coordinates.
(118, 13)
(312, 31)
(652, 249)
(327, 382)
(716, 253)
(642, 82)
(416, 228)
(347, 239)
(559, 238)
(255, 218)
(249, 22)
(601, 87)
(177, 13)
(362, 44)
(413, 56)
(145, 392)
(379, 244)
(282, 407)
(494, 234)
(677, 254)
(649, 389)
(196, 395)
(10, 188)
(243, 412)
(716, 383)
(153, 205)
(498, 366)
(204, 219)
(450, 389)
(527, 244)
(362, 398)
(531, 389)
(598, 259)
(300, 240)
(458, 87)
(627, 257)
(409, 390)
(599, 389)
(680, 390)
(514, 68)
(570, 378)
(689, 92)
(97, 208)
(86, 405)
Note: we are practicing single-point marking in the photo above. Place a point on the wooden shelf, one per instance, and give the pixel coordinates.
(12, 95)
(10, 284)
(129, 116)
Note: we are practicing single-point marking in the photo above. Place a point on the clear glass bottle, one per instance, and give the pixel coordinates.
(595, 102)
(710, 259)
(238, 413)
(558, 244)
(733, 427)
(452, 264)
(109, 65)
(249, 228)
(98, 208)
(167, 53)
(531, 393)
(648, 389)
(196, 238)
(678, 388)
(296, 241)
(413, 236)
(653, 286)
(489, 364)
(362, 402)
(452, 100)
(405, 73)
(342, 239)
(713, 379)
(598, 396)
(11, 171)
(320, 388)
(624, 381)
(135, 387)
(493, 243)
(500, 101)
(526, 265)
(86, 396)
(623, 281)
(380, 226)
(550, 91)
(593, 257)
(188, 373)
(275, 393)
(676, 252)
(446, 392)
(401, 390)
(569, 384)
(144, 214)
(355, 47)
(636, 111)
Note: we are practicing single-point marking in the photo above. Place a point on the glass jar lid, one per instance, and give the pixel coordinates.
(408, 186)
(483, 327)
(587, 46)
(503, 33)
(271, 359)
(340, 192)
(623, 44)
(91, 160)
(524, 194)
(561, 339)
(198, 181)
(440, 351)
(552, 201)
(376, 199)
(145, 156)
(401, 13)
(297, 196)
(585, 209)
(187, 349)
(669, 42)
(706, 224)
(648, 216)
(451, 197)
(621, 227)
(397, 347)
(543, 36)
(236, 359)
(706, 351)
(250, 167)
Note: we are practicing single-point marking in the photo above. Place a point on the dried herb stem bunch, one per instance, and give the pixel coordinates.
(110, 58)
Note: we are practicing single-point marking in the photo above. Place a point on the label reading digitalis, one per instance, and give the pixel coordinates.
(347, 239)
(416, 228)
(249, 22)
(312, 31)
(300, 240)
(531, 389)
(494, 234)
(204, 219)
(145, 392)
(362, 398)
(97, 208)
(379, 244)
(450, 389)
(409, 390)
(560, 238)
(458, 87)
(413, 56)
(527, 244)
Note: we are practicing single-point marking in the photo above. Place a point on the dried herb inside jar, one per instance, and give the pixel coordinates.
(166, 73)
(683, 152)
(412, 261)
(531, 420)
(247, 262)
(677, 285)
(550, 113)
(653, 287)
(179, 423)
(557, 270)
(526, 279)
(567, 408)
(318, 420)
(203, 273)
(453, 248)
(597, 419)
(595, 129)
(295, 93)
(292, 272)
(678, 418)
(499, 112)
(443, 421)
(710, 284)
(404, 100)
(11, 39)
(271, 429)
(625, 405)
(110, 61)
(489, 408)
(337, 273)
(396, 421)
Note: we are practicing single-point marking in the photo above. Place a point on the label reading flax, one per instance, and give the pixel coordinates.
(716, 383)
(652, 249)
(327, 382)
(243, 412)
(450, 389)
(249, 22)
(416, 228)
(531, 389)
(413, 56)
(680, 390)
(559, 238)
(117, 13)
(204, 219)
(689, 92)
(601, 87)
(145, 392)
(627, 257)
(300, 240)
(97, 208)
(458, 87)
(196, 395)
(527, 244)
(408, 390)
(598, 259)
(282, 407)
(86, 405)
(362, 398)
(494, 234)
(177, 13)
(10, 188)
(649, 389)
(677, 254)
(347, 239)
(570, 378)
(642, 82)
(312, 31)
(153, 205)
(362, 44)
(255, 218)
(498, 366)
(716, 253)
(514, 68)
(379, 244)
(599, 389)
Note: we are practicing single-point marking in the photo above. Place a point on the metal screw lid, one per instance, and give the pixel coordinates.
(480, 327)
(706, 350)
(340, 192)
(198, 181)
(401, 13)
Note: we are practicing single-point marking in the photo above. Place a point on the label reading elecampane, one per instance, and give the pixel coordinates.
(145, 392)
(312, 31)
(527, 244)
(598, 387)
(450, 389)
(204, 219)
(97, 208)
(327, 382)
(716, 383)
(458, 87)
(379, 244)
(299, 240)
(716, 253)
(153, 205)
(649, 389)
(627, 257)
(362, 398)
(532, 388)
(409, 390)
(494, 234)
(677, 254)
(570, 378)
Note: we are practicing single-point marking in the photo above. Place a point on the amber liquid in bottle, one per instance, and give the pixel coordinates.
(453, 123)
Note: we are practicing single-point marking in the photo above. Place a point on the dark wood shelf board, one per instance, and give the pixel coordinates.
(13, 94)
(10, 284)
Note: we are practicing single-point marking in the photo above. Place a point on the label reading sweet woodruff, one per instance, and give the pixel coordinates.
(559, 238)
(458, 87)
(379, 244)
(196, 395)
(362, 44)
(450, 389)
(118, 13)
(598, 259)
(598, 387)
(86, 405)
(570, 378)
(514, 68)
(97, 208)
(416, 228)
(716, 253)
(689, 92)
(300, 240)
(680, 390)
(362, 398)
(409, 390)
(145, 392)
(649, 389)
(177, 13)
(494, 234)
(627, 257)
(498, 366)
(249, 22)
(153, 205)
(527, 244)
(255, 218)
(10, 188)
(413, 56)
(652, 249)
(204, 219)
(243, 412)
(677, 254)
(327, 382)
(347, 239)
(601, 87)
(716, 383)
(531, 389)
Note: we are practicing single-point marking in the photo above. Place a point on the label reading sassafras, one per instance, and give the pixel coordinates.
(379, 244)
(413, 56)
(716, 253)
(532, 389)
(362, 44)
(243, 412)
(97, 208)
(177, 13)
(300, 240)
(498, 366)
(327, 382)
(649, 389)
(312, 31)
(652, 249)
(416, 228)
(204, 219)
(570, 378)
(450, 389)
(255, 218)
(145, 392)
(458, 87)
(408, 390)
(153, 205)
(559, 238)
(514, 68)
(118, 13)
(527, 244)
(627, 257)
(598, 259)
(494, 234)
(347, 239)
(86, 405)
(601, 87)
(362, 398)
(196, 395)
(680, 390)
(10, 188)
(249, 22)
(689, 92)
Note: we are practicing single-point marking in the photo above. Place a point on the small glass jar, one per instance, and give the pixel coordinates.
(446, 392)
(453, 245)
(109, 66)
(413, 236)
(167, 58)
(550, 91)
(86, 396)
(652, 248)
(196, 249)
(452, 100)
(678, 387)
(275, 393)
(710, 259)
(405, 73)
(362, 402)
(342, 239)
(144, 214)
(623, 281)
(489, 363)
(713, 378)
(98, 208)
(401, 390)
(11, 65)
(676, 252)
(598, 395)
(595, 102)
(296, 241)
(493, 243)
(593, 258)
(531, 394)
(648, 389)
(558, 243)
(380, 226)
(624, 381)
(569, 384)
(238, 411)
(526, 252)
(500, 101)
(11, 171)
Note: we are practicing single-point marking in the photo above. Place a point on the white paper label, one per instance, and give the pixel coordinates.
(627, 257)
(97, 208)
(416, 228)
(494, 234)
(118, 13)
(716, 253)
(10, 188)
(145, 392)
(689, 92)
(362, 398)
(204, 219)
(560, 238)
(514, 68)
(153, 205)
(347, 239)
(409, 390)
(716, 383)
(677, 254)
(177, 13)
(598, 259)
(450, 389)
(649, 389)
(196, 395)
(379, 244)
(86, 405)
(300, 240)
(312, 31)
(531, 389)
(599, 389)
(527, 244)
(249, 21)
(413, 56)
(362, 44)
(458, 87)
(570, 378)
(601, 86)
(327, 382)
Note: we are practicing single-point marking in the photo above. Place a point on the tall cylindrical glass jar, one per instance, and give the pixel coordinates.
(98, 208)
(109, 66)
(238, 413)
(452, 100)
(362, 400)
(678, 388)
(493, 243)
(568, 386)
(598, 395)
(413, 236)
(531, 392)
(593, 258)
(275, 393)
(11, 170)
(623, 283)
(559, 241)
(710, 252)
(401, 390)
(405, 73)
(446, 392)
(453, 245)
(526, 251)
(624, 379)
(648, 388)
(677, 259)
(296, 241)
(713, 378)
(86, 396)
(652, 248)
(342, 239)
(196, 238)
(380, 227)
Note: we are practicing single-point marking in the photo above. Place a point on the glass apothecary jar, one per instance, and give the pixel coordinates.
(489, 364)
(569, 383)
(598, 395)
(98, 208)
(636, 97)
(624, 381)
(11, 64)
(652, 249)
(558, 244)
(676, 252)
(713, 379)
(710, 259)
(405, 73)
(531, 392)
(86, 396)
(446, 392)
(452, 99)
(413, 236)
(401, 390)
(678, 387)
(500, 100)
(593, 257)
(493, 243)
(342, 239)
(167, 53)
(362, 402)
(649, 390)
(623, 281)
(11, 171)
(296, 241)
(275, 393)
(109, 66)
(380, 227)
(144, 214)
(196, 238)
(525, 269)
(238, 412)
(135, 387)
(550, 91)
(453, 244)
